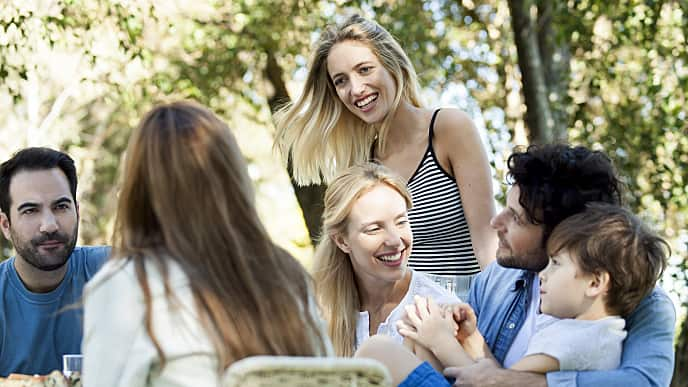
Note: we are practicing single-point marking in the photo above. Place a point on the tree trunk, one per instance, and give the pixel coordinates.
(556, 60)
(538, 115)
(310, 197)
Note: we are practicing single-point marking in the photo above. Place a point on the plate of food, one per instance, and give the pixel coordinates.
(54, 379)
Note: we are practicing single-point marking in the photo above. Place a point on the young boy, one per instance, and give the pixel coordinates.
(603, 262)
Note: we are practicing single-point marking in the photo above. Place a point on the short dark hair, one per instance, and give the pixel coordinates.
(33, 159)
(558, 180)
(610, 238)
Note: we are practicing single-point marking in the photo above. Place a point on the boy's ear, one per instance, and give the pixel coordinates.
(599, 284)
(341, 242)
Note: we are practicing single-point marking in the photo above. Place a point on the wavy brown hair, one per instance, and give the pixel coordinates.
(186, 197)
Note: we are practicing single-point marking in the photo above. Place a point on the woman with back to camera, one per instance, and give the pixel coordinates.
(361, 102)
(194, 282)
(360, 266)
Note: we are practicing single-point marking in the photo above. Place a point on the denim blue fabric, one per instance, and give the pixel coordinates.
(36, 329)
(425, 376)
(500, 298)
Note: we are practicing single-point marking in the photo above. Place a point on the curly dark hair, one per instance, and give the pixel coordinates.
(558, 180)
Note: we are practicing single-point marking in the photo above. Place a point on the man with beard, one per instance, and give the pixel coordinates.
(41, 286)
(549, 184)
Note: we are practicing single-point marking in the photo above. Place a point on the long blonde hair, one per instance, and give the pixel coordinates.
(335, 282)
(317, 133)
(187, 197)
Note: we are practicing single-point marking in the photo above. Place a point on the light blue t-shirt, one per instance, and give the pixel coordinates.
(34, 327)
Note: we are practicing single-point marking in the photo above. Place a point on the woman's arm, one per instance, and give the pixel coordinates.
(459, 145)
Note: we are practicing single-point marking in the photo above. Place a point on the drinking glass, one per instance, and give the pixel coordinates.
(71, 364)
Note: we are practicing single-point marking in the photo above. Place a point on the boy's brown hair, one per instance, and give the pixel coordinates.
(609, 238)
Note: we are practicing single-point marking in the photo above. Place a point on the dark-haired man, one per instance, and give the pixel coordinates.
(549, 184)
(41, 285)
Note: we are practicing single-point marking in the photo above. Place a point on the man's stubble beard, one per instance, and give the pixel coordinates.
(29, 251)
(534, 260)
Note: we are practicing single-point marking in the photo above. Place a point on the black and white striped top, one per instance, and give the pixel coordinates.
(441, 239)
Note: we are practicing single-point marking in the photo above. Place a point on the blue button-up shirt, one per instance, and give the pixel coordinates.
(500, 298)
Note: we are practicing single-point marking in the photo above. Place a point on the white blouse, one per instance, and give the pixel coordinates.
(116, 347)
(421, 285)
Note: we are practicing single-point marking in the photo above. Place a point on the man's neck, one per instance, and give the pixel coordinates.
(38, 281)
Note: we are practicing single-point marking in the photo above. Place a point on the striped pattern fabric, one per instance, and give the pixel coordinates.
(441, 239)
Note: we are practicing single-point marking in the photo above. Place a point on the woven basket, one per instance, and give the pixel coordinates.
(263, 371)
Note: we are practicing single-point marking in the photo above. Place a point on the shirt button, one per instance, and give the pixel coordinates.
(512, 326)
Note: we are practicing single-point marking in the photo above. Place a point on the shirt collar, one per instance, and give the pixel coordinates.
(523, 280)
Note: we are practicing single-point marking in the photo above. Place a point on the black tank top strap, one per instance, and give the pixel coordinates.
(432, 124)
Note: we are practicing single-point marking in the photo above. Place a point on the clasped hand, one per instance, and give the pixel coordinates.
(430, 324)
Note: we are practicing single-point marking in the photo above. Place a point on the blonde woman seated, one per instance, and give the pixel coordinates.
(361, 274)
(194, 282)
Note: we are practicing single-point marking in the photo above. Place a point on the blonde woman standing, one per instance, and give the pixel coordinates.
(361, 274)
(361, 102)
(194, 282)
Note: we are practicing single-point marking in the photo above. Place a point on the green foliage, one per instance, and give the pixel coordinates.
(629, 85)
(78, 74)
